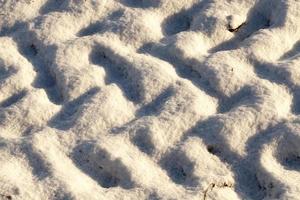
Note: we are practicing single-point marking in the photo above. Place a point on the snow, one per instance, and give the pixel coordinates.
(149, 99)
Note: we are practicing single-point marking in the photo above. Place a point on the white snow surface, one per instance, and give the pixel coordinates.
(149, 99)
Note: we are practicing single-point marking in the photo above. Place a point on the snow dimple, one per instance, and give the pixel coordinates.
(116, 73)
(97, 163)
(65, 117)
(141, 3)
(279, 156)
(50, 6)
(180, 169)
(149, 99)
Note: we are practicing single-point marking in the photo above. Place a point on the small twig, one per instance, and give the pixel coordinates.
(210, 187)
(234, 30)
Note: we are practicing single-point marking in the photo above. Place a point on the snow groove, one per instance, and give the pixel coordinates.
(150, 99)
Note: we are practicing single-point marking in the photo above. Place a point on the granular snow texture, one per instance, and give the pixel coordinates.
(149, 99)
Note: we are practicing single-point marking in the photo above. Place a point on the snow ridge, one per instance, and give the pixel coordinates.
(149, 99)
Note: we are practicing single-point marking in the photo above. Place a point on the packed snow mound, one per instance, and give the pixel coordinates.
(149, 99)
